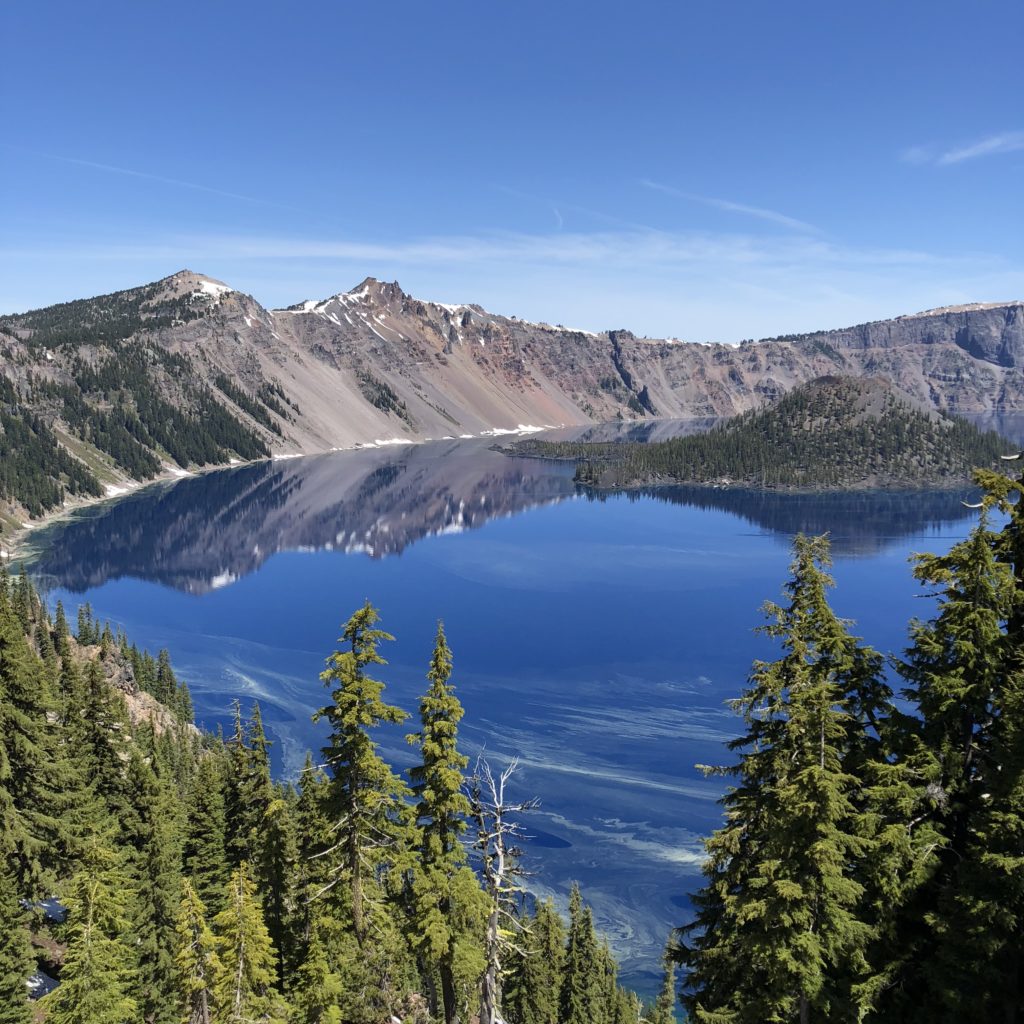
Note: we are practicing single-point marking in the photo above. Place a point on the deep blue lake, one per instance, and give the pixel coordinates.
(597, 640)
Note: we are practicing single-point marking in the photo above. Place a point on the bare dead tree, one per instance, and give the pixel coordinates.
(498, 835)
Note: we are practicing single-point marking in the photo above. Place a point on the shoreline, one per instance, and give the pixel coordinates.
(14, 546)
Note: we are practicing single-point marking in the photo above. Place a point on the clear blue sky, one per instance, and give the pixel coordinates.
(710, 171)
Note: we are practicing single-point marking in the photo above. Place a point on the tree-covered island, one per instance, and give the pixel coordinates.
(835, 433)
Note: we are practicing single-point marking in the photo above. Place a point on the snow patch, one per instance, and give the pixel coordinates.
(522, 428)
(112, 491)
(176, 470)
(223, 579)
(213, 289)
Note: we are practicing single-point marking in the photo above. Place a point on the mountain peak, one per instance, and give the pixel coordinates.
(188, 282)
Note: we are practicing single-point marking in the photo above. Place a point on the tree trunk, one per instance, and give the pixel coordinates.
(805, 1010)
(490, 994)
(448, 994)
(358, 925)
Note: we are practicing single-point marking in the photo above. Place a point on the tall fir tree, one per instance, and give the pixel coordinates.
(152, 832)
(535, 970)
(99, 973)
(583, 993)
(966, 678)
(441, 812)
(366, 801)
(196, 960)
(244, 983)
(664, 1009)
(778, 933)
(16, 960)
(205, 853)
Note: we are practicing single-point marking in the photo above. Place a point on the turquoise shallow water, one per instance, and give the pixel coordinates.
(597, 640)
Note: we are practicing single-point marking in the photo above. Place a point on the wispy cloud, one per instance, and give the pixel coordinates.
(159, 178)
(758, 212)
(991, 145)
(695, 285)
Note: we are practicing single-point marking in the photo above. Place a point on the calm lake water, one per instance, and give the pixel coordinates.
(597, 640)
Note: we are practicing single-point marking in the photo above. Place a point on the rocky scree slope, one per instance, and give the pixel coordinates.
(187, 372)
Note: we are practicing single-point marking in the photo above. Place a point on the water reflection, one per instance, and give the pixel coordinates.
(860, 523)
(204, 532)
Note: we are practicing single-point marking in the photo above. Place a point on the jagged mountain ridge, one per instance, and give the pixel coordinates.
(376, 364)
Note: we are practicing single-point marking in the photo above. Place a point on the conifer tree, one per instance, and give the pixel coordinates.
(31, 762)
(365, 799)
(778, 933)
(318, 989)
(16, 960)
(195, 959)
(962, 932)
(441, 812)
(98, 976)
(60, 628)
(153, 832)
(583, 994)
(664, 1011)
(279, 856)
(535, 971)
(244, 982)
(205, 856)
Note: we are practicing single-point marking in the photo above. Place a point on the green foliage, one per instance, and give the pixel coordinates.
(831, 434)
(365, 799)
(536, 969)
(248, 404)
(780, 929)
(244, 979)
(99, 974)
(34, 470)
(196, 960)
(441, 812)
(584, 991)
(178, 806)
(16, 960)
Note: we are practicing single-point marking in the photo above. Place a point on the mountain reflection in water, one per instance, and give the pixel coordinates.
(205, 531)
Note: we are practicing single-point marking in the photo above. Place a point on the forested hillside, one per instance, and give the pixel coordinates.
(191, 886)
(835, 433)
(89, 398)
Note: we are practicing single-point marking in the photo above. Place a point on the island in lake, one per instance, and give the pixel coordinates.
(833, 433)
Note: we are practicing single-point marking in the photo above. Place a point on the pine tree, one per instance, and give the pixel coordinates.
(441, 812)
(279, 855)
(31, 762)
(664, 1011)
(244, 982)
(98, 976)
(318, 989)
(365, 799)
(195, 959)
(154, 837)
(582, 996)
(535, 973)
(205, 856)
(961, 933)
(16, 960)
(778, 933)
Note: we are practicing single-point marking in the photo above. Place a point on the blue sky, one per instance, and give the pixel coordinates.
(709, 171)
